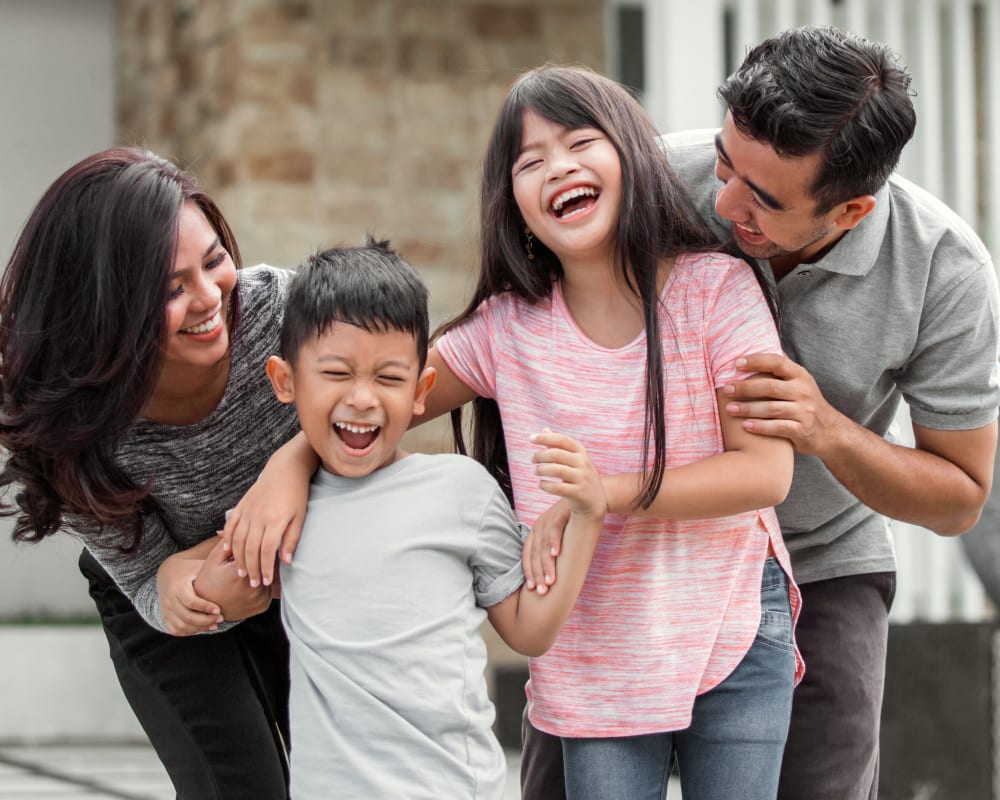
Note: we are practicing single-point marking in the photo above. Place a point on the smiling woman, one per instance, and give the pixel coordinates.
(136, 412)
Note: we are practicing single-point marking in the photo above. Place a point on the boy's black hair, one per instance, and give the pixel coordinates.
(371, 287)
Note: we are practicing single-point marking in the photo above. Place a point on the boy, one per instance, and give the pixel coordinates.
(400, 554)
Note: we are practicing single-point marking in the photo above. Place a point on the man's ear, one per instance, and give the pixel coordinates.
(425, 383)
(852, 211)
(280, 373)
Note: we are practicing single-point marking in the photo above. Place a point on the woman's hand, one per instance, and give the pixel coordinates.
(271, 513)
(219, 582)
(183, 611)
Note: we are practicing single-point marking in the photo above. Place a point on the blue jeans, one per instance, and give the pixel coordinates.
(734, 745)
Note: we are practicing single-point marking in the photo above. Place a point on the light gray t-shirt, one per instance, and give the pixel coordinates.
(904, 306)
(382, 605)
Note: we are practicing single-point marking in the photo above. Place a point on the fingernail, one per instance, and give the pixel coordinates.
(548, 579)
(533, 437)
(732, 408)
(241, 572)
(225, 545)
(729, 389)
(267, 581)
(553, 552)
(741, 362)
(254, 583)
(219, 618)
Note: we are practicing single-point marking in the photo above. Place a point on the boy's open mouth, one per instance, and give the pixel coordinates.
(356, 437)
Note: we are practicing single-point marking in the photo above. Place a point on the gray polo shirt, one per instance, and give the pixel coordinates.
(904, 306)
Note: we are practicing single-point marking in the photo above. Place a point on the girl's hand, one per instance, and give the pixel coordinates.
(565, 470)
(218, 581)
(183, 611)
(271, 513)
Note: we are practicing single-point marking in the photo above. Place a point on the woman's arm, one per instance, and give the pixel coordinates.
(525, 620)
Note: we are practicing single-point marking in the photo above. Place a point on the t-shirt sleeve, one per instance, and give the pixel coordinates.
(496, 563)
(469, 349)
(738, 322)
(951, 381)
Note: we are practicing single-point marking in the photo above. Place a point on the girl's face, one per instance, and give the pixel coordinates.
(568, 187)
(202, 278)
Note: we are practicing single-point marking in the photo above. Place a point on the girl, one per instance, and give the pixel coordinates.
(136, 411)
(601, 312)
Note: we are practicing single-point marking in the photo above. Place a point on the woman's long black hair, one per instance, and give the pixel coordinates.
(656, 221)
(82, 331)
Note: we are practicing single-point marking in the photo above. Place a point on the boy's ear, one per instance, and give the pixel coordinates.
(425, 383)
(280, 373)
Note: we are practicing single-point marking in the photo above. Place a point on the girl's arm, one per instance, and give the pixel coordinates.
(753, 472)
(525, 620)
(449, 391)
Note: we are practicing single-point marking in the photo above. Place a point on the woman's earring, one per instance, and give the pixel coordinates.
(528, 242)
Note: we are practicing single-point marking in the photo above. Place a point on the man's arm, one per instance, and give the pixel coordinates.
(941, 483)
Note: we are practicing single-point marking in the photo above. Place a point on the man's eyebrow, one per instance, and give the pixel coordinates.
(766, 197)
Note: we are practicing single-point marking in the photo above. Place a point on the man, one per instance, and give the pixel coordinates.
(884, 293)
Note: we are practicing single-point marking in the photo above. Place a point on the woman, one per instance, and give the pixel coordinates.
(136, 411)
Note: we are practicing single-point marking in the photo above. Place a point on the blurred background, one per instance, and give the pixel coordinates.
(314, 121)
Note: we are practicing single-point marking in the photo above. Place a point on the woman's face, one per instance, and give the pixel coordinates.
(202, 278)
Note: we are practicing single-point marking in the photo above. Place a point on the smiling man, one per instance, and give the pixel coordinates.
(884, 294)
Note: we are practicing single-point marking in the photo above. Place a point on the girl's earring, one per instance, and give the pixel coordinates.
(530, 238)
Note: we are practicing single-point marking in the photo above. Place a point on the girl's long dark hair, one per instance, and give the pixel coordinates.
(656, 221)
(82, 330)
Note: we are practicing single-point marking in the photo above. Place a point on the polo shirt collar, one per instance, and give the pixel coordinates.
(857, 251)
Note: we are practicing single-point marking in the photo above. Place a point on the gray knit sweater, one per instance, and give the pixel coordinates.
(200, 471)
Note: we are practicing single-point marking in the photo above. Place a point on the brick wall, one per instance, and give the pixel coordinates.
(312, 121)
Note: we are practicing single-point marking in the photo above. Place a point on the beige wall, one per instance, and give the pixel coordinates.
(313, 121)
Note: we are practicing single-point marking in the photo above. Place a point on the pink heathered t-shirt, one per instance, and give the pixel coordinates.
(669, 608)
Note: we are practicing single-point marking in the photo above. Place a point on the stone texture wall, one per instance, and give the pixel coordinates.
(313, 121)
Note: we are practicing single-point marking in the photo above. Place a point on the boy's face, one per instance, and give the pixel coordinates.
(355, 393)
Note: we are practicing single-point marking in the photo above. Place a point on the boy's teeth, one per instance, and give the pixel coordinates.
(356, 428)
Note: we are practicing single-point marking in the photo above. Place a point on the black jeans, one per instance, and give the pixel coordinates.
(214, 706)
(832, 748)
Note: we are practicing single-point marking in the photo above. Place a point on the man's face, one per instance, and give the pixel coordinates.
(768, 200)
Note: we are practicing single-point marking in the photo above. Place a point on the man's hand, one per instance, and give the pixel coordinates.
(783, 400)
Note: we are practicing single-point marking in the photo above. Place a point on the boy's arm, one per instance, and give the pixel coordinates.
(527, 621)
(271, 513)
